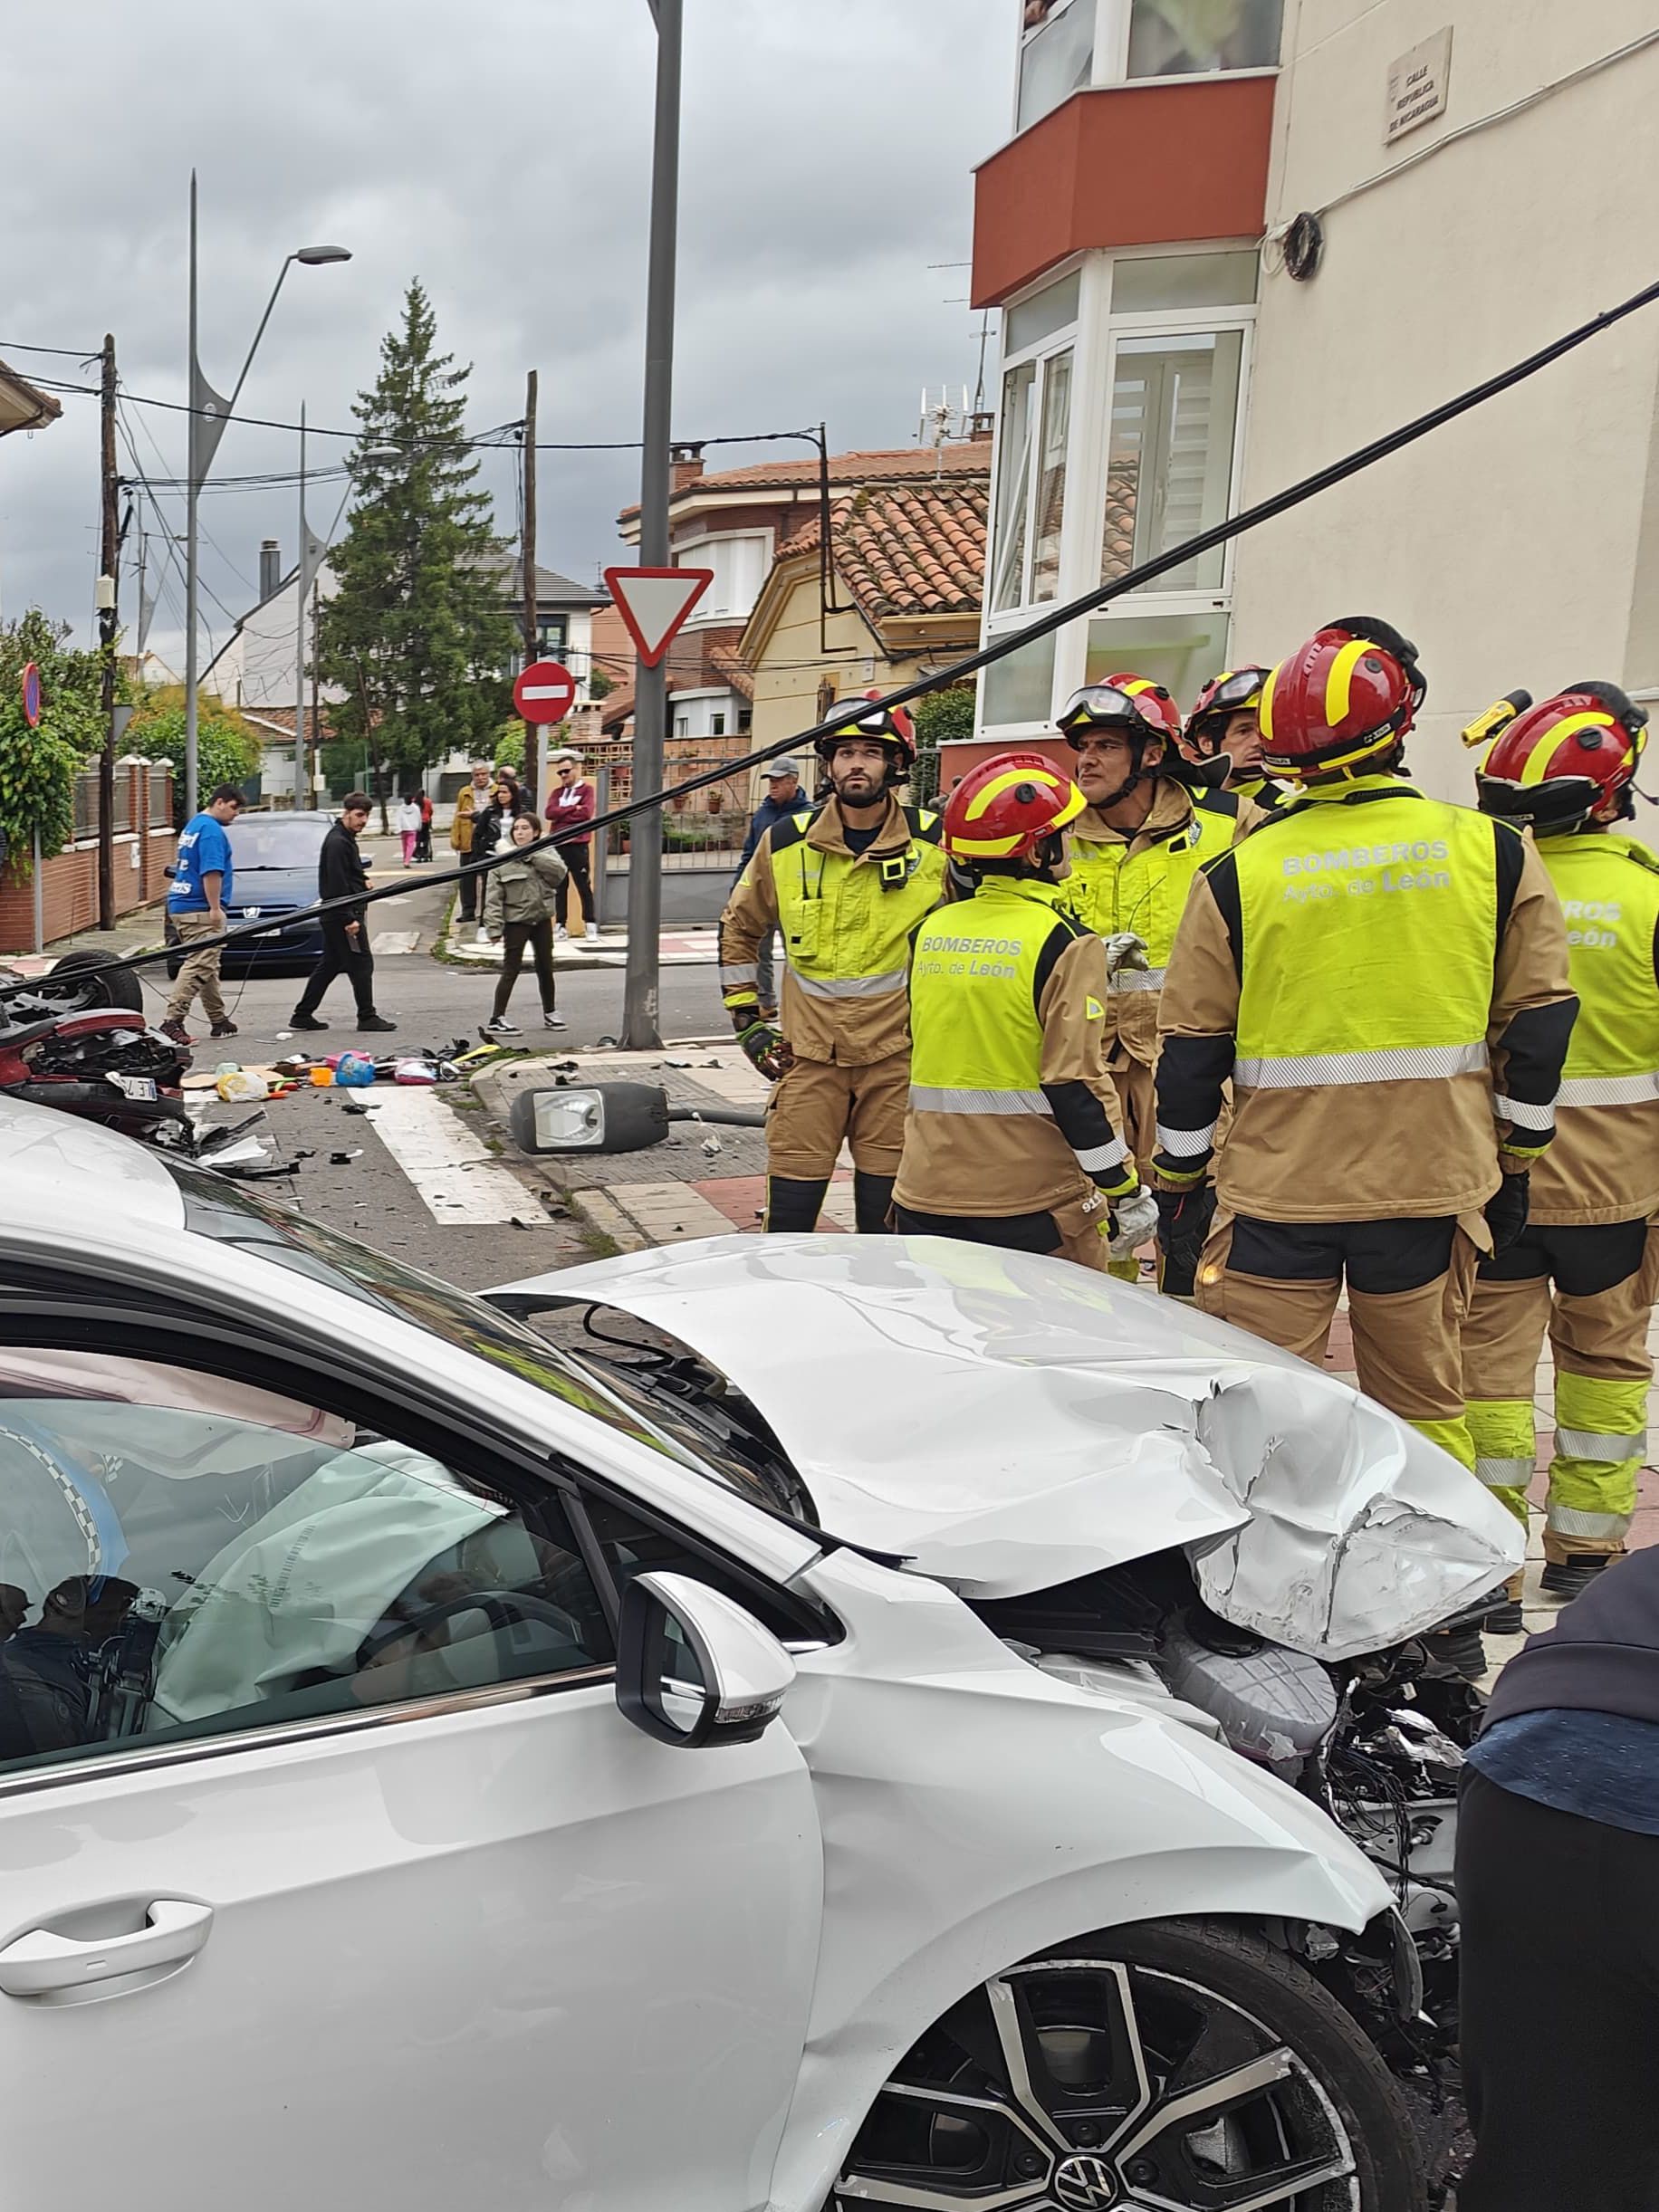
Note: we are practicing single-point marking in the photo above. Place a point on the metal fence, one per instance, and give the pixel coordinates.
(151, 784)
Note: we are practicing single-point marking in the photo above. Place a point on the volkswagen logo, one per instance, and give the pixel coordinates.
(1084, 2183)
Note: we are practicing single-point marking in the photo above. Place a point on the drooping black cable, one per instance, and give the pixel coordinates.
(1091, 602)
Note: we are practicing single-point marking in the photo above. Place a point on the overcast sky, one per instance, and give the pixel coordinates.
(825, 162)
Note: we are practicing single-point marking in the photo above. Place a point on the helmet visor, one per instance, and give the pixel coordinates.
(1099, 705)
(1236, 693)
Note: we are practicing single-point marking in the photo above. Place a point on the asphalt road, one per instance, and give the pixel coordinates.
(369, 1196)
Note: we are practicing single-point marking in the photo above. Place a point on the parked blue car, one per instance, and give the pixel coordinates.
(274, 862)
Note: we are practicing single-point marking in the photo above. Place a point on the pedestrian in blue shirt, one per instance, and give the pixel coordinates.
(196, 908)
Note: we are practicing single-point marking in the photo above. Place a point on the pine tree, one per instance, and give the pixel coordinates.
(419, 631)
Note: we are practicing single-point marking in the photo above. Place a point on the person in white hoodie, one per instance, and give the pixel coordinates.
(409, 826)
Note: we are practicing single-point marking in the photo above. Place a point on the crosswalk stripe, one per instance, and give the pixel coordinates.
(451, 1167)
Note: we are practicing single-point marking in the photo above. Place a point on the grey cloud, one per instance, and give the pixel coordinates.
(501, 152)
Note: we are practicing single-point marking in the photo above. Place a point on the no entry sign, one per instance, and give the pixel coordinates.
(545, 691)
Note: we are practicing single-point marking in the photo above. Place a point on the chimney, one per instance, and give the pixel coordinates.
(270, 567)
(982, 426)
(684, 466)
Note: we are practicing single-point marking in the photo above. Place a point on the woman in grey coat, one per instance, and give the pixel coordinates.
(521, 899)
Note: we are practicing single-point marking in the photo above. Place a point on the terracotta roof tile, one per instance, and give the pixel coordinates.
(904, 464)
(909, 549)
(728, 662)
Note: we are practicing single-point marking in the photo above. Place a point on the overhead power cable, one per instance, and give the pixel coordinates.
(941, 679)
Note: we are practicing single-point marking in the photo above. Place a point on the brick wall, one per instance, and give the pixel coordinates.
(69, 879)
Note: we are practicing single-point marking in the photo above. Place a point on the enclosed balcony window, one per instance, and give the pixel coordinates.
(1181, 38)
(1057, 56)
(1169, 470)
(1030, 503)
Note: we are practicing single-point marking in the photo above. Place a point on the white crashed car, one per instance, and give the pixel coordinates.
(435, 1770)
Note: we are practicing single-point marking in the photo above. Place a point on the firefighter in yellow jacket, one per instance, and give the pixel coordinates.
(1586, 1265)
(1010, 1139)
(1135, 850)
(1384, 978)
(846, 886)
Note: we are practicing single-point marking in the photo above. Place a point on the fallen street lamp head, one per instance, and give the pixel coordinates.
(313, 257)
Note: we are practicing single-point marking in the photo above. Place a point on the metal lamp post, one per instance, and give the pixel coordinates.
(639, 1000)
(209, 411)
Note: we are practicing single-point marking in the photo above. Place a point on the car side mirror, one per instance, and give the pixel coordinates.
(693, 1667)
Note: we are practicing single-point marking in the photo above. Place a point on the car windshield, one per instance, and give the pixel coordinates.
(231, 1213)
(272, 841)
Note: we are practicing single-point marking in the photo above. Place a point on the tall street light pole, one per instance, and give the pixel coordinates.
(209, 411)
(312, 554)
(640, 1000)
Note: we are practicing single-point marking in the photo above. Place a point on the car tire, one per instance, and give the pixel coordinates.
(1189, 2060)
(117, 987)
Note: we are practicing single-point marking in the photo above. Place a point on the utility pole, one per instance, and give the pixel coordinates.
(112, 553)
(640, 1000)
(301, 790)
(527, 567)
(316, 715)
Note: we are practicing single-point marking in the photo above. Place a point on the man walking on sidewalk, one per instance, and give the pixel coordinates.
(345, 932)
(196, 908)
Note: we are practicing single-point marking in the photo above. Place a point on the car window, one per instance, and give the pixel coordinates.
(268, 841)
(633, 1545)
(181, 1554)
(233, 1214)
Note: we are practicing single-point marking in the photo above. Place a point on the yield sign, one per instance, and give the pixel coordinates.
(545, 691)
(653, 602)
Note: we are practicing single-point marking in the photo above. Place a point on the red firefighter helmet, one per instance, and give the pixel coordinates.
(1008, 809)
(1133, 702)
(1347, 696)
(1556, 763)
(1223, 696)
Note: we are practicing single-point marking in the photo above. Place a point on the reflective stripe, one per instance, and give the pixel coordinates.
(1186, 1144)
(930, 1098)
(1504, 1474)
(1138, 978)
(1609, 1090)
(745, 973)
(1092, 1158)
(850, 986)
(1523, 1115)
(1403, 1064)
(1571, 1521)
(1585, 1444)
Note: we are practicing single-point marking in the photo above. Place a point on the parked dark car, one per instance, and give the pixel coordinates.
(274, 862)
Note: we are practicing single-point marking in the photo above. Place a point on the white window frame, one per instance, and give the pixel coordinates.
(1065, 340)
(1095, 337)
(684, 553)
(1111, 63)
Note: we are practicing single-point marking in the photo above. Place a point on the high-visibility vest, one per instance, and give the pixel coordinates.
(846, 921)
(976, 1042)
(1112, 887)
(1609, 887)
(1368, 927)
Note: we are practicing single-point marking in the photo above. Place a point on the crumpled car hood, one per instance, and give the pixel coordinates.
(1010, 1422)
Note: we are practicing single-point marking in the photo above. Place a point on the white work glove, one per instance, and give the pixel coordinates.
(1124, 950)
(1135, 1221)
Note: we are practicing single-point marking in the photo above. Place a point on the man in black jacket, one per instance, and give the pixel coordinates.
(345, 933)
(1557, 1885)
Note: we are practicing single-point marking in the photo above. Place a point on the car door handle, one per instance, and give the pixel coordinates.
(44, 1963)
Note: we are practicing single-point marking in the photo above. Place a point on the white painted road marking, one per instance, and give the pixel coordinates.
(450, 1164)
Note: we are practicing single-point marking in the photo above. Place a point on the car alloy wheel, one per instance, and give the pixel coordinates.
(1089, 2084)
